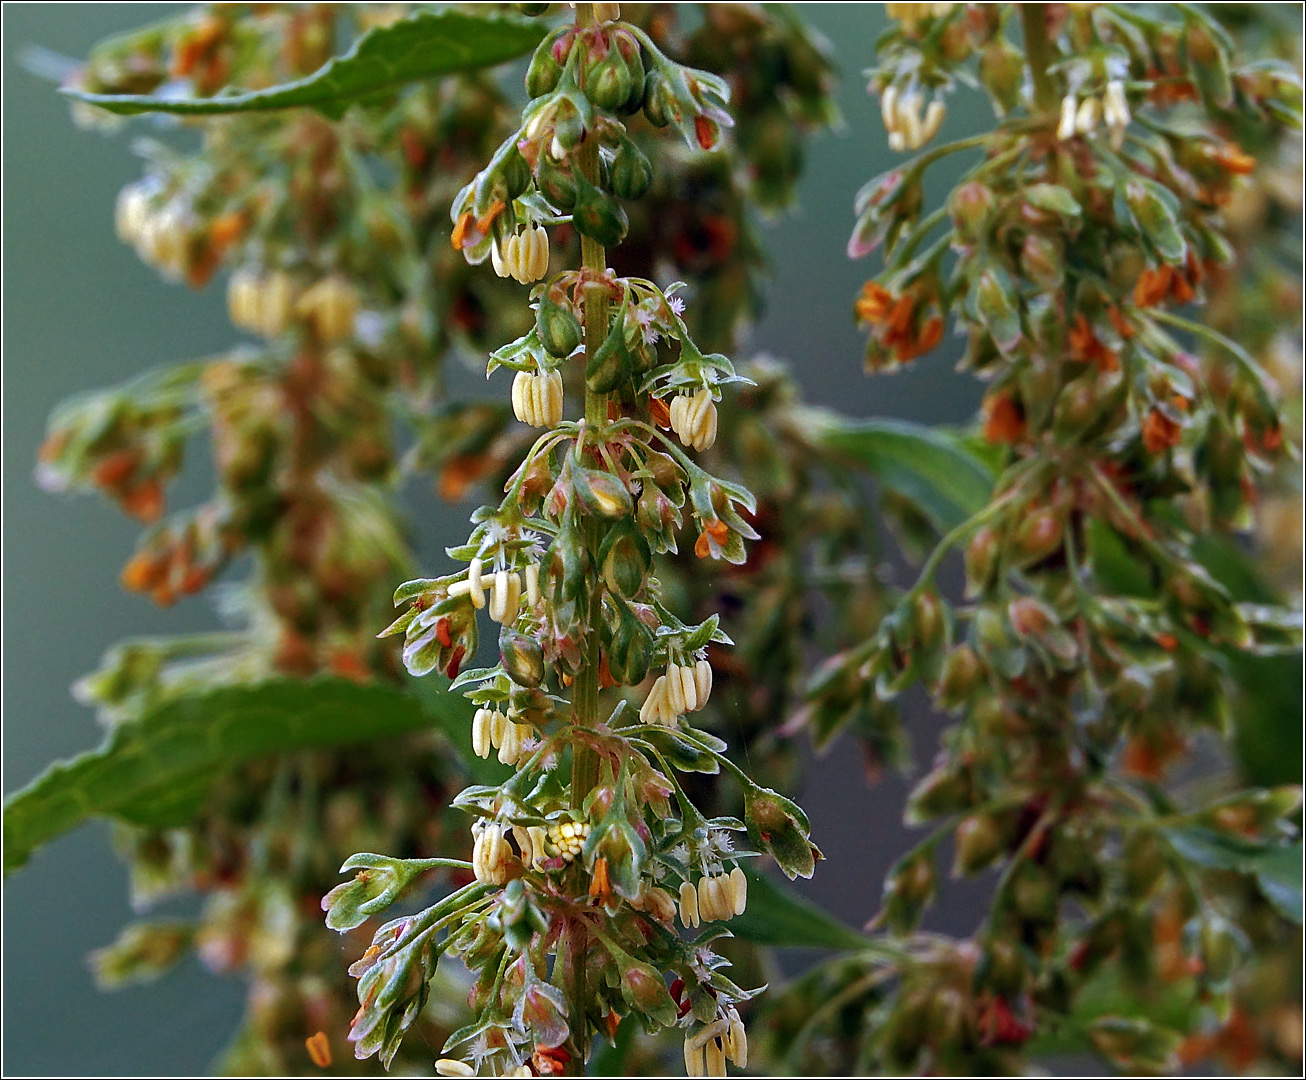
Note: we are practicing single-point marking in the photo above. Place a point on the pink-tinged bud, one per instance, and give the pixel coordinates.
(971, 205)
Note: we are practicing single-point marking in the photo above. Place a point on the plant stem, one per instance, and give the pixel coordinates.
(1038, 51)
(585, 691)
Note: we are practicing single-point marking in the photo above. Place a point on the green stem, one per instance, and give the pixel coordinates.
(585, 692)
(1038, 51)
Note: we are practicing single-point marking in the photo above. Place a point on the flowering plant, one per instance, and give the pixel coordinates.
(384, 207)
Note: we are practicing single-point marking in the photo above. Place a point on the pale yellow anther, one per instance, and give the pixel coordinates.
(689, 905)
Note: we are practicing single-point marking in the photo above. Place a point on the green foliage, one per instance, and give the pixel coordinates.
(779, 917)
(156, 769)
(935, 472)
(420, 46)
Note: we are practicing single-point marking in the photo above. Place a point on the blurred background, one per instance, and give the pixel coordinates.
(82, 312)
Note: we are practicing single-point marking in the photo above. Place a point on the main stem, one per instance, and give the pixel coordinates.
(585, 690)
(1038, 51)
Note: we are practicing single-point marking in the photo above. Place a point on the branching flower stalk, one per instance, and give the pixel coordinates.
(1104, 617)
(570, 926)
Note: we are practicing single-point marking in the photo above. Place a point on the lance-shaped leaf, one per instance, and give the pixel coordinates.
(422, 46)
(779, 917)
(156, 770)
(927, 468)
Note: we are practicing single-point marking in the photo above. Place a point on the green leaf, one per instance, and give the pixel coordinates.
(155, 770)
(925, 466)
(1279, 876)
(422, 46)
(778, 916)
(1277, 869)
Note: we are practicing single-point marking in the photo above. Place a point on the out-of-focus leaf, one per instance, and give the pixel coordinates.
(421, 46)
(1279, 875)
(1276, 868)
(156, 769)
(925, 466)
(778, 916)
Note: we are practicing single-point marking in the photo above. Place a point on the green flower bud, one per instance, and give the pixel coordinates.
(1043, 261)
(547, 63)
(571, 562)
(971, 204)
(1076, 407)
(625, 559)
(646, 991)
(943, 790)
(1038, 536)
(660, 106)
(568, 126)
(598, 215)
(556, 184)
(979, 840)
(927, 620)
(601, 494)
(1222, 947)
(1033, 895)
(981, 561)
(608, 82)
(630, 649)
(631, 172)
(909, 888)
(520, 919)
(610, 365)
(1134, 1044)
(962, 672)
(376, 886)
(516, 174)
(1002, 71)
(996, 306)
(522, 658)
(559, 330)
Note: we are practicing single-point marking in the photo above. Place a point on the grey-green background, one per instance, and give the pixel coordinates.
(81, 312)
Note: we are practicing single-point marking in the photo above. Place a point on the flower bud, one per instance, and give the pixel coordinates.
(625, 559)
(559, 330)
(1038, 535)
(515, 173)
(629, 649)
(644, 989)
(1002, 71)
(981, 561)
(971, 204)
(522, 658)
(660, 106)
(598, 216)
(945, 789)
(601, 494)
(556, 184)
(962, 672)
(546, 65)
(1042, 261)
(631, 172)
(979, 841)
(609, 81)
(611, 363)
